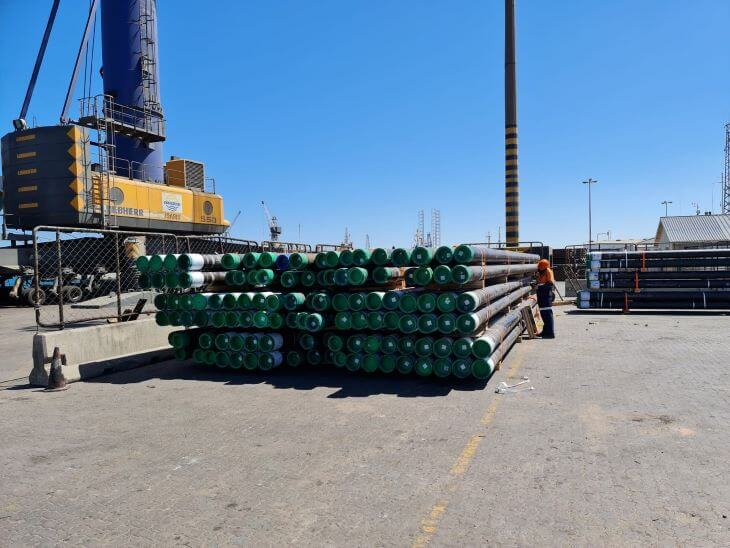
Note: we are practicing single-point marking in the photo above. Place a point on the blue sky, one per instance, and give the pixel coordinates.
(358, 113)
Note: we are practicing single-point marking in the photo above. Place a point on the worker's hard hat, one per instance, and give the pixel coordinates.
(543, 264)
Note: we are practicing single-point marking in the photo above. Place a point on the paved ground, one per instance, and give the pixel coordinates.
(17, 326)
(624, 441)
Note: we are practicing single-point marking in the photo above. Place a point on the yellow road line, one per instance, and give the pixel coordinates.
(430, 524)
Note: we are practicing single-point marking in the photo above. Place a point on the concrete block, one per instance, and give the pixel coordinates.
(100, 349)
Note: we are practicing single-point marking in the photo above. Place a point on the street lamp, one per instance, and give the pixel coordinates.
(666, 207)
(590, 182)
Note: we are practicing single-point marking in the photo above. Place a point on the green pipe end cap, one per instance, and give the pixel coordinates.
(357, 276)
(422, 255)
(401, 256)
(442, 274)
(142, 263)
(444, 254)
(463, 254)
(380, 256)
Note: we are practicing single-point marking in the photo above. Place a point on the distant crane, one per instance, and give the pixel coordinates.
(227, 231)
(346, 241)
(274, 227)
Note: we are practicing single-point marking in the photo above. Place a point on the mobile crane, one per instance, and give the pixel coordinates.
(103, 169)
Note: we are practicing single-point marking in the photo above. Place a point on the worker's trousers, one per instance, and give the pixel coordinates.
(548, 323)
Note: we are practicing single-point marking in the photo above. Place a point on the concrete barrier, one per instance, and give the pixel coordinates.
(100, 349)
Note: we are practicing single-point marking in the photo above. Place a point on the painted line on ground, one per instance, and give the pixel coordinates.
(430, 524)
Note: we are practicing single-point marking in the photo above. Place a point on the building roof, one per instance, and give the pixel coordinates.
(694, 228)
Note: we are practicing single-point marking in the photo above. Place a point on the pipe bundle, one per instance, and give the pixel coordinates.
(674, 279)
(436, 311)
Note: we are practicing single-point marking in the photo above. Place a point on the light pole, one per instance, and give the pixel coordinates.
(590, 182)
(666, 207)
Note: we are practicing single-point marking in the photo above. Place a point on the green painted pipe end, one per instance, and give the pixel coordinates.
(381, 274)
(332, 259)
(408, 303)
(185, 280)
(156, 263)
(447, 323)
(347, 258)
(231, 261)
(370, 363)
(462, 347)
(158, 280)
(442, 347)
(298, 260)
(142, 263)
(421, 256)
(444, 254)
(387, 364)
(169, 263)
(463, 254)
(423, 275)
(341, 277)
(343, 320)
(408, 324)
(442, 367)
(359, 320)
(361, 257)
(160, 301)
(482, 348)
(401, 256)
(428, 323)
(466, 324)
(184, 261)
(460, 274)
(374, 300)
(482, 369)
(261, 319)
(380, 256)
(442, 274)
(171, 279)
(357, 276)
(273, 302)
(423, 367)
(267, 259)
(251, 260)
(426, 303)
(461, 368)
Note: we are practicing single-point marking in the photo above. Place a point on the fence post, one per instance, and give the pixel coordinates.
(36, 277)
(60, 279)
(119, 278)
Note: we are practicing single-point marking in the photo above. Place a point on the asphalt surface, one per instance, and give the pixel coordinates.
(623, 441)
(17, 327)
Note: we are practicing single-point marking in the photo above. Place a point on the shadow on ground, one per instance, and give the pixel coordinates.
(350, 385)
(645, 312)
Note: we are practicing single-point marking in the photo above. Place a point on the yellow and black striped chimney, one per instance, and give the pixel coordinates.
(511, 177)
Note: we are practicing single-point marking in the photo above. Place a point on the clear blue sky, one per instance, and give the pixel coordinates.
(359, 113)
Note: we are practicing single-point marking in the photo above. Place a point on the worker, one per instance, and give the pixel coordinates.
(545, 296)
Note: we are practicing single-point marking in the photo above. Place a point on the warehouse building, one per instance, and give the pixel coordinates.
(693, 231)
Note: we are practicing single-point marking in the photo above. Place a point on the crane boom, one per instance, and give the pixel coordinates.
(273, 223)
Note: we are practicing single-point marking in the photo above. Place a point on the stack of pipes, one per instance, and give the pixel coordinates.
(436, 311)
(673, 279)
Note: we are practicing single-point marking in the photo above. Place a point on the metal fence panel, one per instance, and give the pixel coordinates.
(84, 275)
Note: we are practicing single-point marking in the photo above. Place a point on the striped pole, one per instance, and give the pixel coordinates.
(511, 180)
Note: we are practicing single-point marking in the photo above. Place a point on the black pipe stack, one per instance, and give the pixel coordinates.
(672, 279)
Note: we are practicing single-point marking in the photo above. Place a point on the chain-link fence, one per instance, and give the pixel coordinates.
(86, 275)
